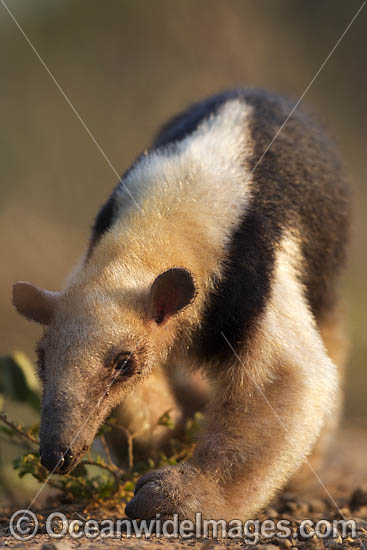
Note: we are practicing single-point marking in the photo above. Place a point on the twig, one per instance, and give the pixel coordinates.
(18, 429)
(130, 443)
(184, 453)
(106, 450)
(80, 482)
(117, 472)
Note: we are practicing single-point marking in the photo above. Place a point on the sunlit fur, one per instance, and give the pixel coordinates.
(264, 418)
(193, 201)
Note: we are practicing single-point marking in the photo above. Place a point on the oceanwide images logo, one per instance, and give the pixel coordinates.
(24, 525)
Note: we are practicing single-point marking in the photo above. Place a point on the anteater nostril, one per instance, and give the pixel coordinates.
(67, 459)
(57, 461)
(51, 459)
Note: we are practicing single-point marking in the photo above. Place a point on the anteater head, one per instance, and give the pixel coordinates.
(98, 343)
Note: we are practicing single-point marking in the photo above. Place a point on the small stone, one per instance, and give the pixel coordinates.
(314, 544)
(291, 506)
(271, 513)
(317, 505)
(59, 545)
(284, 543)
(303, 509)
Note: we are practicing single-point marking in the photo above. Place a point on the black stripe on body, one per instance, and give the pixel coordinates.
(298, 185)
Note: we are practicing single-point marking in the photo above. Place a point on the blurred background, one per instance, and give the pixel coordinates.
(128, 65)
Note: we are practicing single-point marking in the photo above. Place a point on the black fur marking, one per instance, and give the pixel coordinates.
(175, 130)
(298, 185)
(186, 123)
(241, 297)
(106, 216)
(103, 221)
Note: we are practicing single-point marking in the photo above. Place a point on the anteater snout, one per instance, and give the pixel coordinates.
(57, 460)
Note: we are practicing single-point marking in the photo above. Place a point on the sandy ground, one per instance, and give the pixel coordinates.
(342, 493)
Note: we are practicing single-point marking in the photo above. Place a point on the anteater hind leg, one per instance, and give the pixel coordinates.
(333, 332)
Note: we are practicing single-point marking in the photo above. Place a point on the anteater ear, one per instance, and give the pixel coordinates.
(33, 302)
(172, 290)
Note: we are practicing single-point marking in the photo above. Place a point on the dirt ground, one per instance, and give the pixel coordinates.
(342, 493)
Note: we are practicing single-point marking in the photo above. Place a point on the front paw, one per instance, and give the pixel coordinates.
(168, 491)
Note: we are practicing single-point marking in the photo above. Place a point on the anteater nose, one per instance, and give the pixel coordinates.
(57, 461)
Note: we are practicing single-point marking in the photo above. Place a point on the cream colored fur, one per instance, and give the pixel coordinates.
(267, 408)
(176, 227)
(268, 411)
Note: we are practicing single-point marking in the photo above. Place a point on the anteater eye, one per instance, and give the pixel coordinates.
(123, 364)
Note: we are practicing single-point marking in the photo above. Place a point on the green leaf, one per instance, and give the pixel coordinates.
(166, 420)
(129, 486)
(18, 380)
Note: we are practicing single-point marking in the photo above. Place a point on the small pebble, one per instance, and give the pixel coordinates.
(284, 543)
(317, 505)
(59, 545)
(271, 513)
